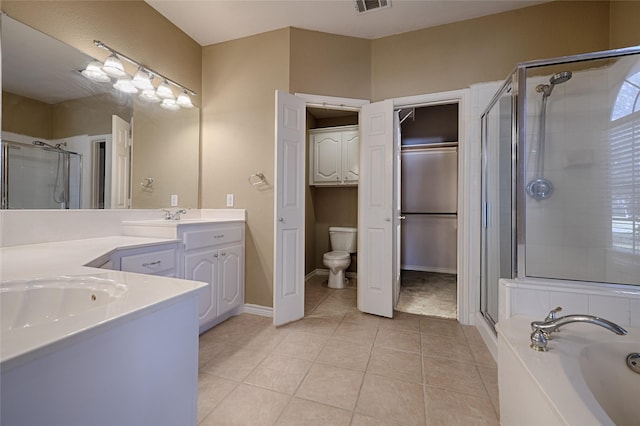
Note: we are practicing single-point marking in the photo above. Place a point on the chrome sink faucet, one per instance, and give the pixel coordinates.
(168, 215)
(541, 330)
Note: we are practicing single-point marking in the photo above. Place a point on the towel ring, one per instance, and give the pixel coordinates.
(257, 179)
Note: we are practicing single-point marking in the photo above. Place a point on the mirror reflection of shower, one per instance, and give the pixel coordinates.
(60, 191)
(540, 188)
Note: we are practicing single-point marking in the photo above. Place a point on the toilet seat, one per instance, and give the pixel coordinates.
(337, 255)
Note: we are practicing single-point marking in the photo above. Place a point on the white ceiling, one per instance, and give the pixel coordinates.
(215, 21)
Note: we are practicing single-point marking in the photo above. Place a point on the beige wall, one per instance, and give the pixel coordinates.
(624, 21)
(456, 55)
(131, 27)
(88, 116)
(164, 137)
(26, 116)
(329, 64)
(239, 82)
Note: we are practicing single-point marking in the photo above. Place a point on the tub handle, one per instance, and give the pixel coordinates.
(552, 314)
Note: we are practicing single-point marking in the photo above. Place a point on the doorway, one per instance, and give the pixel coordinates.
(428, 164)
(331, 195)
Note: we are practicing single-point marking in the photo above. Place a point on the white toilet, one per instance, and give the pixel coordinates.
(343, 243)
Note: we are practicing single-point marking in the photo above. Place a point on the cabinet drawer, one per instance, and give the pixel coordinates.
(211, 237)
(149, 263)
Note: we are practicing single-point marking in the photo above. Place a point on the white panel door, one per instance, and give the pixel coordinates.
(326, 157)
(288, 279)
(376, 210)
(397, 205)
(120, 163)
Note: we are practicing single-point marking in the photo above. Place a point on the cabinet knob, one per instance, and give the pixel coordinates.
(215, 255)
(223, 254)
(281, 219)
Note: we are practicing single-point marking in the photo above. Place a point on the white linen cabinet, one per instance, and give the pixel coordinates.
(334, 154)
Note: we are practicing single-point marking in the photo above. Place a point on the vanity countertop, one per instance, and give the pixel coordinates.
(144, 293)
(64, 257)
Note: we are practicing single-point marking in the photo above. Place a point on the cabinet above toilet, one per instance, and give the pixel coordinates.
(334, 156)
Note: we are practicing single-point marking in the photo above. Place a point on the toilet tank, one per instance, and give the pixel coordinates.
(343, 238)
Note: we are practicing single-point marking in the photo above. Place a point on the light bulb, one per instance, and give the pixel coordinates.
(142, 80)
(164, 91)
(113, 67)
(149, 95)
(94, 72)
(170, 104)
(184, 100)
(125, 85)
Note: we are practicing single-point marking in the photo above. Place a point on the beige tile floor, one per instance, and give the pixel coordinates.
(338, 366)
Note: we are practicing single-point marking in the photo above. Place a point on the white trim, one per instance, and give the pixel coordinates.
(487, 334)
(465, 181)
(249, 308)
(333, 102)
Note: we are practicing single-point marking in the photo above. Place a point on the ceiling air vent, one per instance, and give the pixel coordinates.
(367, 5)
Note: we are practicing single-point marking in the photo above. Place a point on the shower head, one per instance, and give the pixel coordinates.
(57, 147)
(559, 78)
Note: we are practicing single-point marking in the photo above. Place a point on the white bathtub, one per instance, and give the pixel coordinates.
(582, 379)
(38, 302)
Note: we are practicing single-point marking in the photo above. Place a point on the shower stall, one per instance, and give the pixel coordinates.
(561, 174)
(39, 175)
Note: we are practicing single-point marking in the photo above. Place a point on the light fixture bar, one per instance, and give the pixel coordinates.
(145, 68)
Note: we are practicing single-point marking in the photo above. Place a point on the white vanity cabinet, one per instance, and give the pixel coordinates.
(334, 154)
(210, 251)
(156, 259)
(214, 253)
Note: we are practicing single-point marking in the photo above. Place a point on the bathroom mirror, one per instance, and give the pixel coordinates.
(58, 127)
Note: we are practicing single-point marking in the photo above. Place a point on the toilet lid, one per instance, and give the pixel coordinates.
(337, 255)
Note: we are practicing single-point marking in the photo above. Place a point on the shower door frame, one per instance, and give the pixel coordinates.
(518, 80)
(520, 135)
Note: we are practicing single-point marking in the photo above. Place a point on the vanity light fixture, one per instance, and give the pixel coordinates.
(142, 80)
(113, 67)
(184, 100)
(164, 91)
(125, 85)
(94, 72)
(149, 95)
(170, 104)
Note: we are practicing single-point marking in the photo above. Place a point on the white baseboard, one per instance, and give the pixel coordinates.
(488, 335)
(263, 311)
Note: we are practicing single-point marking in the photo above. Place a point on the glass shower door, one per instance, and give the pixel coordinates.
(498, 183)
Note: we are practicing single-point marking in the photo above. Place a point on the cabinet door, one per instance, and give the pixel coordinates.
(231, 260)
(350, 156)
(203, 266)
(326, 157)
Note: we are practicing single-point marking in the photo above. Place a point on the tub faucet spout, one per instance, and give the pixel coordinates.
(541, 330)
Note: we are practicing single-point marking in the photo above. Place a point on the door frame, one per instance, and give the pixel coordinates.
(329, 102)
(467, 295)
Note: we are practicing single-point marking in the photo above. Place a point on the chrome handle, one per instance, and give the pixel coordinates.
(552, 314)
(281, 219)
(402, 217)
(215, 255)
(157, 262)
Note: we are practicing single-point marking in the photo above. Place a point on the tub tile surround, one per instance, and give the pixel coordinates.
(352, 369)
(535, 298)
